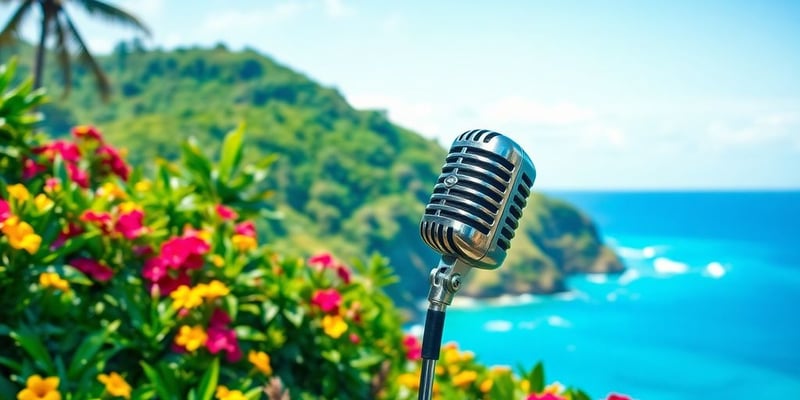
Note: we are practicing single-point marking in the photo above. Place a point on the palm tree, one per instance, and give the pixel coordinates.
(56, 21)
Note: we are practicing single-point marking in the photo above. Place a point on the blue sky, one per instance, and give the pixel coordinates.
(601, 94)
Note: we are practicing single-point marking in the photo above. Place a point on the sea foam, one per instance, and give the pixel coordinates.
(664, 265)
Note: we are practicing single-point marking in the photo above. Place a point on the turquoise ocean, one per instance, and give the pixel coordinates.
(709, 306)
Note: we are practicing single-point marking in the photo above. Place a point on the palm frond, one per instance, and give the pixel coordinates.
(113, 14)
(11, 30)
(62, 54)
(103, 85)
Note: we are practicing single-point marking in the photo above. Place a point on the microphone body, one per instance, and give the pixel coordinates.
(478, 199)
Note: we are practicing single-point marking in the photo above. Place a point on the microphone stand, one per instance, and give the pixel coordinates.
(446, 280)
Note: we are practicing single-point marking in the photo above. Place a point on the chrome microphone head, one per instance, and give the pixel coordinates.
(478, 199)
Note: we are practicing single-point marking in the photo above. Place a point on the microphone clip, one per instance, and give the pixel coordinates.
(446, 280)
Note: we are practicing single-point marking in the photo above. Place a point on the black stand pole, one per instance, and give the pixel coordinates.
(445, 282)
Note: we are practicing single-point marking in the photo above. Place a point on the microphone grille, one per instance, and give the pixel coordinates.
(478, 198)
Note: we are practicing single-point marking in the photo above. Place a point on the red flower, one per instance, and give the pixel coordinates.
(184, 252)
(130, 224)
(344, 273)
(324, 260)
(226, 213)
(110, 158)
(246, 228)
(5, 210)
(413, 347)
(354, 339)
(614, 396)
(87, 132)
(100, 219)
(328, 300)
(154, 269)
(219, 318)
(167, 283)
(223, 339)
(77, 175)
(95, 269)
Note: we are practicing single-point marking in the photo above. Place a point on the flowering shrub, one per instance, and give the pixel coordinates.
(115, 285)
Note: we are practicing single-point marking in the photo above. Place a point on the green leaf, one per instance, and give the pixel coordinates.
(577, 394)
(294, 317)
(29, 341)
(13, 365)
(367, 361)
(208, 383)
(88, 349)
(7, 389)
(244, 332)
(231, 154)
(332, 355)
(158, 383)
(536, 378)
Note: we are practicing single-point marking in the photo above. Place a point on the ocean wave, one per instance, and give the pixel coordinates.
(666, 266)
(597, 278)
(559, 322)
(714, 270)
(629, 276)
(640, 254)
(499, 325)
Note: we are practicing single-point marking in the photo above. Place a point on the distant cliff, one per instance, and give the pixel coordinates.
(345, 180)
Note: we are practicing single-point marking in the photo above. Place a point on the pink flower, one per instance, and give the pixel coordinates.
(226, 213)
(219, 318)
(110, 158)
(328, 300)
(544, 396)
(246, 228)
(223, 339)
(87, 132)
(154, 269)
(95, 269)
(77, 175)
(324, 260)
(354, 338)
(51, 184)
(32, 168)
(614, 396)
(130, 224)
(69, 152)
(5, 210)
(167, 283)
(413, 347)
(184, 252)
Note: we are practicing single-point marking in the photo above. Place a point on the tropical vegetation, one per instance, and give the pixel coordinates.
(121, 282)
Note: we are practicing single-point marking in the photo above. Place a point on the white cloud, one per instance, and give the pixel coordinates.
(246, 19)
(336, 8)
(420, 116)
(522, 110)
(775, 127)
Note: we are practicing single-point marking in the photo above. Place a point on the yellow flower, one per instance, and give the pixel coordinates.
(409, 380)
(20, 235)
(466, 356)
(213, 290)
(217, 260)
(53, 280)
(18, 191)
(334, 326)
(185, 297)
(554, 388)
(451, 355)
(143, 185)
(191, 337)
(244, 242)
(42, 202)
(115, 385)
(486, 386)
(525, 385)
(260, 360)
(465, 378)
(224, 393)
(37, 388)
(129, 206)
(111, 191)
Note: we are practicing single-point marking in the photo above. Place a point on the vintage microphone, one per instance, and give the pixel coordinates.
(470, 219)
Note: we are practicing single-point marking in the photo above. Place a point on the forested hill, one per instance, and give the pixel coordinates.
(345, 180)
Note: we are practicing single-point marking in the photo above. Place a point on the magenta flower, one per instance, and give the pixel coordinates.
(544, 396)
(219, 318)
(324, 260)
(614, 396)
(31, 168)
(5, 210)
(110, 158)
(184, 252)
(344, 273)
(77, 175)
(100, 219)
(71, 230)
(51, 184)
(87, 132)
(167, 283)
(154, 269)
(226, 213)
(130, 224)
(69, 152)
(413, 347)
(328, 300)
(223, 339)
(246, 228)
(93, 268)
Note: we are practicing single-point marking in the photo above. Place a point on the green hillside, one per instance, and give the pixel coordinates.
(344, 180)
